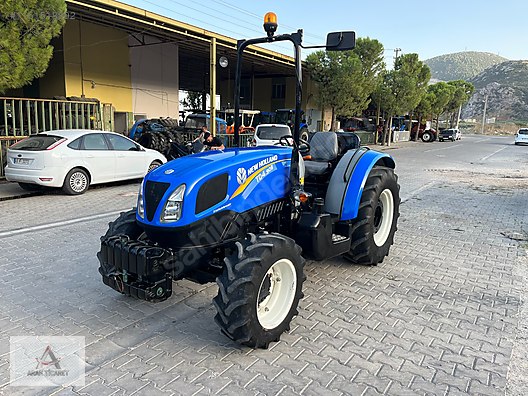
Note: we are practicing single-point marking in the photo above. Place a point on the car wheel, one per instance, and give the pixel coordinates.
(76, 182)
(153, 165)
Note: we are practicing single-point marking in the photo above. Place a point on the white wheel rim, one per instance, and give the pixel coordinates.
(78, 182)
(276, 294)
(383, 218)
(426, 137)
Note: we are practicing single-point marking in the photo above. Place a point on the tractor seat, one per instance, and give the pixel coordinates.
(323, 150)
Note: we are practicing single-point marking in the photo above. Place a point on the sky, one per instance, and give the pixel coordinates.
(429, 28)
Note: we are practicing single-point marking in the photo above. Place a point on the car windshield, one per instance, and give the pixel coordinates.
(36, 143)
(273, 132)
(523, 131)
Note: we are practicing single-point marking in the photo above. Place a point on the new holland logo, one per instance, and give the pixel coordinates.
(169, 171)
(241, 175)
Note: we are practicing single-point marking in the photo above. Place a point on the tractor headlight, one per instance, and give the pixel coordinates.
(173, 207)
(140, 201)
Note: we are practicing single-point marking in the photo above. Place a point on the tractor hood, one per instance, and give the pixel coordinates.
(235, 180)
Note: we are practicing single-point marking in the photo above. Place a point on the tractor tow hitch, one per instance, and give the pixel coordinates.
(136, 268)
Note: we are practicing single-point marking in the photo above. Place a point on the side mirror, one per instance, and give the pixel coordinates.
(340, 41)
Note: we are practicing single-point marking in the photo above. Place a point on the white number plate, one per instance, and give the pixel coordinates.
(22, 161)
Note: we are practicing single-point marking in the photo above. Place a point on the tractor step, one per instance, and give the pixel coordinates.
(340, 245)
(336, 238)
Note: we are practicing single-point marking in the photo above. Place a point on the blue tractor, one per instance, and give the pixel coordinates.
(287, 116)
(248, 217)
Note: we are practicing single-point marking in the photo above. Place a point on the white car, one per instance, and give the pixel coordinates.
(74, 159)
(270, 134)
(521, 137)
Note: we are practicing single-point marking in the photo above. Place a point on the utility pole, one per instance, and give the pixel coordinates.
(484, 115)
(396, 51)
(212, 86)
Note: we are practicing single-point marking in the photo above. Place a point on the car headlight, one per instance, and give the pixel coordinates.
(173, 207)
(140, 201)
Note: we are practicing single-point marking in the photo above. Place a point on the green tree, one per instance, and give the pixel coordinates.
(193, 101)
(441, 94)
(370, 54)
(462, 93)
(26, 29)
(423, 109)
(345, 80)
(402, 89)
(414, 75)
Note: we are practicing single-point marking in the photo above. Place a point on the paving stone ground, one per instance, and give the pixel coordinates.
(440, 315)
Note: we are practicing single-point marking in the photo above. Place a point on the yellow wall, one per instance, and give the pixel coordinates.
(105, 61)
(52, 83)
(262, 94)
(289, 102)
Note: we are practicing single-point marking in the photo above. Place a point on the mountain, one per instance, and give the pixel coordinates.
(506, 87)
(461, 65)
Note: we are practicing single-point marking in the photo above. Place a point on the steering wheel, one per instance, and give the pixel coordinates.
(287, 140)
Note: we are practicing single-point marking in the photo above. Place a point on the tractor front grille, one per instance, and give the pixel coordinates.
(153, 194)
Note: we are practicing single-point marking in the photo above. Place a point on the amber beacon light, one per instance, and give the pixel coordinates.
(270, 23)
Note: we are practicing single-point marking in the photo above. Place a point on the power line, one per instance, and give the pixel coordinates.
(250, 27)
(244, 11)
(192, 18)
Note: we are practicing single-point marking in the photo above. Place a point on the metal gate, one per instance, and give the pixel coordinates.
(20, 117)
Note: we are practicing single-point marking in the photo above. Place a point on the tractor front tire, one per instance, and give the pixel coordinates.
(260, 289)
(376, 222)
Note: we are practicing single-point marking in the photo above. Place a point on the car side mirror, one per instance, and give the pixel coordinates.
(340, 41)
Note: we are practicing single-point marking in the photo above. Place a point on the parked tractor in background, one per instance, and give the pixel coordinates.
(162, 134)
(248, 217)
(247, 120)
(425, 133)
(287, 116)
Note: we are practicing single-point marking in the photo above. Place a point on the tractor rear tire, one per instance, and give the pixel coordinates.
(376, 222)
(427, 137)
(260, 289)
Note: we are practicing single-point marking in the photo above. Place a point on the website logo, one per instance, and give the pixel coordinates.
(47, 361)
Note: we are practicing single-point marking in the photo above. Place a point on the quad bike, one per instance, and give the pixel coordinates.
(246, 218)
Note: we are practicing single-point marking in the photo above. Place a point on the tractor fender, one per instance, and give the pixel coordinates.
(348, 180)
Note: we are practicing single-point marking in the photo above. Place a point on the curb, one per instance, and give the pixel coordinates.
(21, 195)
